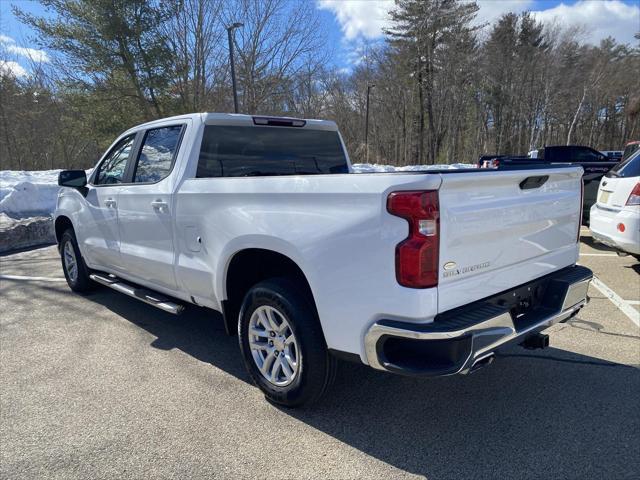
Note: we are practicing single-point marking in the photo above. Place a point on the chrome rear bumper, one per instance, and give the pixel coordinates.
(462, 338)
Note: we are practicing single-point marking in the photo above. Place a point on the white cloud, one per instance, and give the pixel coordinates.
(8, 44)
(12, 68)
(360, 18)
(601, 19)
(367, 18)
(491, 10)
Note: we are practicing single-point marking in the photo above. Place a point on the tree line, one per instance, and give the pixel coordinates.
(443, 88)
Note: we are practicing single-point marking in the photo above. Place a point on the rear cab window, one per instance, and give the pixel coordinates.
(243, 151)
(157, 154)
(584, 154)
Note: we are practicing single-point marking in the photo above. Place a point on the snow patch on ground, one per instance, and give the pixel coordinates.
(28, 199)
(28, 194)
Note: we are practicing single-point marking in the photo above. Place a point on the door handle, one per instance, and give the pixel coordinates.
(160, 205)
(110, 202)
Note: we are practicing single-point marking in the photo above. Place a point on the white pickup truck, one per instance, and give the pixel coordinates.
(261, 218)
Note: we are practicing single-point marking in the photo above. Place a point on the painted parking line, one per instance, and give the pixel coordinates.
(633, 302)
(31, 279)
(623, 306)
(598, 254)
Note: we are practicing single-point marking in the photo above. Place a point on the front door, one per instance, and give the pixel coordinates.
(98, 232)
(145, 209)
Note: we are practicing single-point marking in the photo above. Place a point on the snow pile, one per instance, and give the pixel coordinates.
(6, 221)
(371, 168)
(28, 199)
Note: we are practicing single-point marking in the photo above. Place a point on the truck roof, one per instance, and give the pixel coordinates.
(212, 118)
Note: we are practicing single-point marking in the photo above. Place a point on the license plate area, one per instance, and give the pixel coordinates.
(522, 301)
(604, 196)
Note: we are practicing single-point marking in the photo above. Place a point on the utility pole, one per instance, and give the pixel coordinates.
(366, 125)
(230, 30)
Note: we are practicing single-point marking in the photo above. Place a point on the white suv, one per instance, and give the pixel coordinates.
(615, 218)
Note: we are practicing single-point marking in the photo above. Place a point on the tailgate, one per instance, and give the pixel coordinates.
(499, 230)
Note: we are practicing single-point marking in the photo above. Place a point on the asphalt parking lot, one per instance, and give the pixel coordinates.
(104, 386)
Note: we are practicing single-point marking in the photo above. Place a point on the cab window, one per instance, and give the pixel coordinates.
(157, 154)
(581, 154)
(241, 151)
(112, 169)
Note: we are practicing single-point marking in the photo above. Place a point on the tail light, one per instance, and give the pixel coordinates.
(417, 256)
(634, 197)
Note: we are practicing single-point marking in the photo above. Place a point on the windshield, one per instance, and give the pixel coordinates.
(627, 168)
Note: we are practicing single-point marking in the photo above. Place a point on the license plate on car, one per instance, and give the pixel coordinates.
(604, 196)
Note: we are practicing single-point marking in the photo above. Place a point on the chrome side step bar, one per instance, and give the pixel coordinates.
(139, 293)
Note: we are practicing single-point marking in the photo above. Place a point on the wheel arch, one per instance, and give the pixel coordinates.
(249, 266)
(61, 225)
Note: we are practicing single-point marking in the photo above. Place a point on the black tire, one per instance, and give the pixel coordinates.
(79, 283)
(316, 367)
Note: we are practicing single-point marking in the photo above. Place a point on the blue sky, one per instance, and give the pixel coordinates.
(349, 23)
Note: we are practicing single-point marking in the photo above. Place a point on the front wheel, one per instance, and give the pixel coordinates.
(73, 266)
(282, 343)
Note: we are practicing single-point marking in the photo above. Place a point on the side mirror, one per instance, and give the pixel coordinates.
(72, 178)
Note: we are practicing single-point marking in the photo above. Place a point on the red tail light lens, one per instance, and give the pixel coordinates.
(634, 197)
(417, 256)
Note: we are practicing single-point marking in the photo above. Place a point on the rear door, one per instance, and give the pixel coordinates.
(502, 229)
(145, 211)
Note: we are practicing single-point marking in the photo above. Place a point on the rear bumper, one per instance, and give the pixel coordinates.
(461, 338)
(604, 228)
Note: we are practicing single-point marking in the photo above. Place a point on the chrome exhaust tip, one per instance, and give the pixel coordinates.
(482, 362)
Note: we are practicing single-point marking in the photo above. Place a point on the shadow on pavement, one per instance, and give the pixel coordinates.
(199, 332)
(635, 267)
(589, 241)
(549, 414)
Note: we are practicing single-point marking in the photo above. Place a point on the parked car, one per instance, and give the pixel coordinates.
(630, 148)
(594, 163)
(615, 218)
(261, 218)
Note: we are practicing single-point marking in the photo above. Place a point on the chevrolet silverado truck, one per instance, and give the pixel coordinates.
(262, 219)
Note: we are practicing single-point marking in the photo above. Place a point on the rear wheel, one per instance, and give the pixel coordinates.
(282, 343)
(73, 266)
